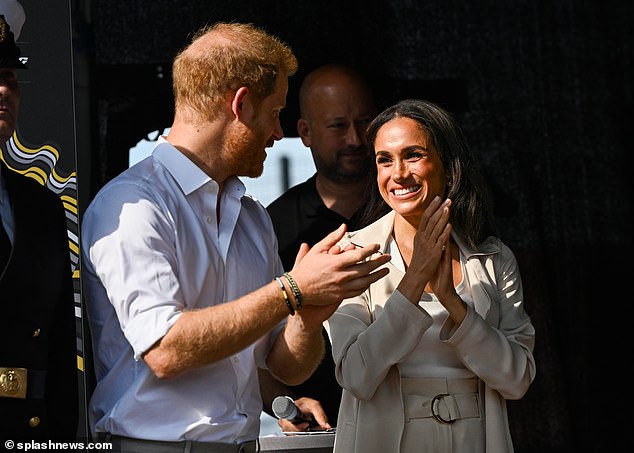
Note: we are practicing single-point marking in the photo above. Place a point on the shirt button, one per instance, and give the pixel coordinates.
(34, 422)
(235, 359)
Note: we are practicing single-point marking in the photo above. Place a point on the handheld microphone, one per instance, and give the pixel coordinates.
(284, 407)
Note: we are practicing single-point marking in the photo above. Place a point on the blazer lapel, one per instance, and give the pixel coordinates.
(378, 232)
(482, 283)
(483, 287)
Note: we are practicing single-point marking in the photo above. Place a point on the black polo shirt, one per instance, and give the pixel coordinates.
(299, 215)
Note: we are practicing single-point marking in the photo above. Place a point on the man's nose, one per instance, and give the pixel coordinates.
(353, 136)
(278, 132)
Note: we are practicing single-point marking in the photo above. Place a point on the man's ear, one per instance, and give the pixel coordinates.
(242, 103)
(303, 130)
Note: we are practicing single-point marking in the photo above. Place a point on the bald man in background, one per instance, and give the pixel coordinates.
(336, 106)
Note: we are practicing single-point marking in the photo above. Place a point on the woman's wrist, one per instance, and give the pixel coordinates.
(456, 307)
(412, 287)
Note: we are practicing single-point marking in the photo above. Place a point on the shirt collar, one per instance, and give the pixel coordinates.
(187, 174)
(234, 187)
(312, 202)
(311, 197)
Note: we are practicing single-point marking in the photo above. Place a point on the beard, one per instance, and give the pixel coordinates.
(245, 152)
(335, 171)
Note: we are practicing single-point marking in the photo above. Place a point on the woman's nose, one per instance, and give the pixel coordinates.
(400, 171)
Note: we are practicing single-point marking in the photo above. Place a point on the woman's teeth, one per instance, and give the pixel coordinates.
(406, 190)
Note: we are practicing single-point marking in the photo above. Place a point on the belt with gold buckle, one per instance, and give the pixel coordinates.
(22, 383)
(13, 382)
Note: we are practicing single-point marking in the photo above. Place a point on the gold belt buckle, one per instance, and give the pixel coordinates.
(436, 415)
(13, 382)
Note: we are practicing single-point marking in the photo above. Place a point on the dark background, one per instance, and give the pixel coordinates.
(543, 90)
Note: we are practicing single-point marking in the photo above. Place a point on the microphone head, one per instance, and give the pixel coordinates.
(284, 407)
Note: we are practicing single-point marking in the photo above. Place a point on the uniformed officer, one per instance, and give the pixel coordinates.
(38, 364)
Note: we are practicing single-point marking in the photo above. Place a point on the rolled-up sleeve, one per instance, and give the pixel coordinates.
(132, 253)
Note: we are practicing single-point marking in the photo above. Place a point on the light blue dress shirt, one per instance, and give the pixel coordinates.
(152, 247)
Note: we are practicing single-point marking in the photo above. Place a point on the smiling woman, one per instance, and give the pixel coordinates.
(453, 298)
(410, 172)
(438, 137)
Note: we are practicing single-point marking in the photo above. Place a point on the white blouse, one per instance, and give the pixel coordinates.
(433, 357)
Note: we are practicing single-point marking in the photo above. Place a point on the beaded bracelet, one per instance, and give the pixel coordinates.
(285, 294)
(299, 299)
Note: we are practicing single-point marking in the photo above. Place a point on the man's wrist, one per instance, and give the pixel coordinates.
(297, 294)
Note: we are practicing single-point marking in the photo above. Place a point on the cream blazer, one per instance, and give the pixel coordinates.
(372, 333)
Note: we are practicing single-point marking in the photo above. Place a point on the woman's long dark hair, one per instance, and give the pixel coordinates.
(471, 215)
